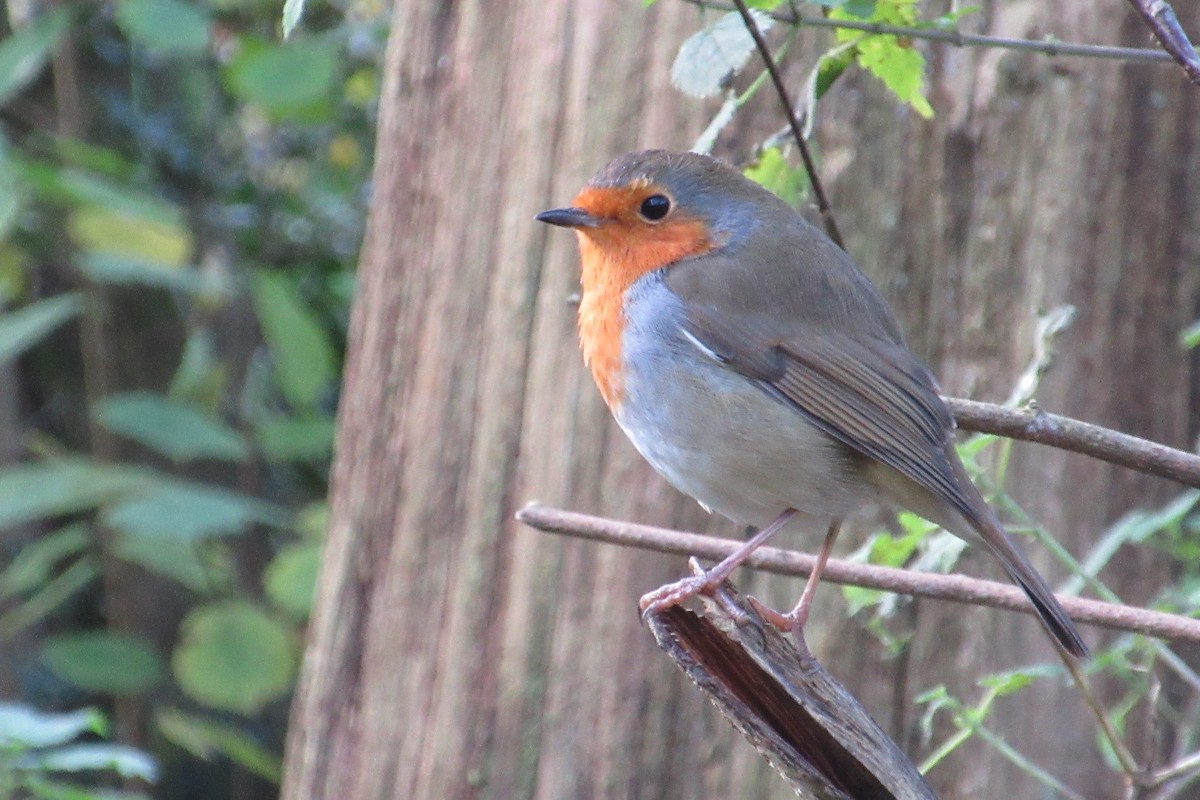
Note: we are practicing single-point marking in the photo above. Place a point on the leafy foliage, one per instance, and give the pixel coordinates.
(192, 258)
(38, 752)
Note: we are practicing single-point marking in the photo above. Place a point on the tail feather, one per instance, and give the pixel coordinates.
(1053, 616)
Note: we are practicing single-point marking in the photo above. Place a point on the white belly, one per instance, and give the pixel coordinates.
(721, 439)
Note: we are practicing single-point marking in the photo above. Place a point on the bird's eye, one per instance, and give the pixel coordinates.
(655, 207)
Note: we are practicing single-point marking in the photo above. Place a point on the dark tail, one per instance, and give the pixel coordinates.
(1051, 613)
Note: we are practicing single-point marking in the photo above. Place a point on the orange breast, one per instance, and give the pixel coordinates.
(614, 255)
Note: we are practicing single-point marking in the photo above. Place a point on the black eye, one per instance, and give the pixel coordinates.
(655, 207)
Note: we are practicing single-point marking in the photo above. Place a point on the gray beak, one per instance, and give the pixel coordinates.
(568, 218)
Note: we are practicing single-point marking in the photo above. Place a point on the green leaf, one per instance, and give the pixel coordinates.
(308, 438)
(121, 270)
(21, 329)
(892, 551)
(178, 431)
(103, 661)
(287, 78)
(709, 56)
(35, 491)
(189, 511)
(293, 10)
(1007, 682)
(201, 567)
(900, 67)
(300, 349)
(25, 726)
(830, 68)
(235, 657)
(291, 578)
(113, 198)
(205, 738)
(167, 243)
(170, 26)
(201, 376)
(126, 761)
(23, 54)
(773, 172)
(1189, 337)
(36, 561)
(863, 9)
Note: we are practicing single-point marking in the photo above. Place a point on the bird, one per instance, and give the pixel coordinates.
(755, 366)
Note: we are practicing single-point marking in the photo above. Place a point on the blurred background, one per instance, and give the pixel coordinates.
(182, 197)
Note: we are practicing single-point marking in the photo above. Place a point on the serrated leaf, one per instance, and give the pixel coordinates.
(205, 738)
(21, 329)
(901, 68)
(128, 762)
(178, 431)
(36, 491)
(189, 511)
(170, 26)
(25, 726)
(773, 172)
(300, 349)
(293, 10)
(24, 53)
(103, 661)
(235, 657)
(709, 56)
(291, 578)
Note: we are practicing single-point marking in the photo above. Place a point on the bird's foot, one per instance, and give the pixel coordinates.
(791, 622)
(700, 582)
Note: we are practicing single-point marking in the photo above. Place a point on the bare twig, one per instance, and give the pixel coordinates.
(1128, 763)
(1161, 19)
(1034, 425)
(957, 588)
(1050, 46)
(794, 121)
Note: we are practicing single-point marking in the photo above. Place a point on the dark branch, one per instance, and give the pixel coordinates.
(794, 121)
(1161, 19)
(1049, 46)
(1033, 425)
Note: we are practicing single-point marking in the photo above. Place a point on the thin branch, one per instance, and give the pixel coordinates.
(1050, 47)
(794, 121)
(1182, 768)
(957, 588)
(1035, 425)
(1128, 762)
(1161, 19)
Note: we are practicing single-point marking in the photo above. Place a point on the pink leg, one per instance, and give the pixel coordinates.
(794, 620)
(704, 583)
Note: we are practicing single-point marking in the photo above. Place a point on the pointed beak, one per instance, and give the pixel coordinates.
(568, 218)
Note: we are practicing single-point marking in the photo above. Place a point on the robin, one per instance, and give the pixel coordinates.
(759, 371)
